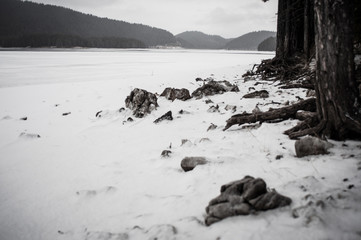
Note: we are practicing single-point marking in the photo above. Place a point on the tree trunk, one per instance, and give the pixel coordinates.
(338, 104)
(280, 29)
(295, 32)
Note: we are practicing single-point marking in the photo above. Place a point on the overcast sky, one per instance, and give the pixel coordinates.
(228, 18)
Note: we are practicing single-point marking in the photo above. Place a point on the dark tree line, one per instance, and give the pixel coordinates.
(19, 19)
(68, 41)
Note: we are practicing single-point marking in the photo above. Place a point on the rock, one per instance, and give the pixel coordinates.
(98, 114)
(168, 116)
(174, 93)
(29, 135)
(213, 109)
(231, 108)
(243, 197)
(67, 113)
(311, 93)
(311, 146)
(270, 200)
(24, 118)
(208, 101)
(141, 102)
(183, 112)
(166, 153)
(130, 119)
(121, 109)
(189, 163)
(257, 94)
(203, 140)
(278, 157)
(214, 87)
(186, 142)
(212, 127)
(198, 79)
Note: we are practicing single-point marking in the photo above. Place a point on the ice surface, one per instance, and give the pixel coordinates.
(91, 177)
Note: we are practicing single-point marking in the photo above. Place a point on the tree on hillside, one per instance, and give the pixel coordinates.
(329, 26)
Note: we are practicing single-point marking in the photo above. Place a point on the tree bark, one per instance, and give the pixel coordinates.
(338, 104)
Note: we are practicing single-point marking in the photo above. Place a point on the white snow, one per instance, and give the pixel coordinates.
(104, 178)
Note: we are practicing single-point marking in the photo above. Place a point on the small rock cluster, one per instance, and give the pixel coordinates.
(214, 87)
(141, 102)
(242, 198)
(174, 93)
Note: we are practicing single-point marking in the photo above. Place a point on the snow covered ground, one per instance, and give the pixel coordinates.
(104, 178)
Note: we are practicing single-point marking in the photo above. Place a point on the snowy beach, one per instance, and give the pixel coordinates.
(66, 173)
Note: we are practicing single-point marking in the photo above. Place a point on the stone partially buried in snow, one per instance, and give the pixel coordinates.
(213, 88)
(311, 146)
(189, 163)
(243, 197)
(257, 94)
(141, 102)
(168, 116)
(174, 93)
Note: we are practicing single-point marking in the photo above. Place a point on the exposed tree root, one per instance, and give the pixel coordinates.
(281, 69)
(298, 85)
(274, 114)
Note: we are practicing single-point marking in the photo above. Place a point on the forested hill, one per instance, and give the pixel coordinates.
(249, 41)
(199, 40)
(21, 21)
(268, 44)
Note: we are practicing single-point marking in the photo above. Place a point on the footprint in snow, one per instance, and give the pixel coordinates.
(24, 135)
(93, 193)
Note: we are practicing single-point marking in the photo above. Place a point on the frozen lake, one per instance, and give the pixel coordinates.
(68, 173)
(53, 65)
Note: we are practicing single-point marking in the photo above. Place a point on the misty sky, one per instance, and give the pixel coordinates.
(228, 18)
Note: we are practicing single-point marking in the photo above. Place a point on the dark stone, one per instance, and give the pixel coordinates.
(174, 93)
(212, 127)
(198, 79)
(24, 119)
(168, 116)
(29, 135)
(186, 141)
(311, 146)
(166, 153)
(189, 163)
(130, 119)
(208, 101)
(257, 94)
(213, 88)
(270, 200)
(141, 102)
(65, 114)
(121, 109)
(311, 93)
(243, 197)
(278, 157)
(98, 114)
(213, 109)
(230, 107)
(183, 112)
